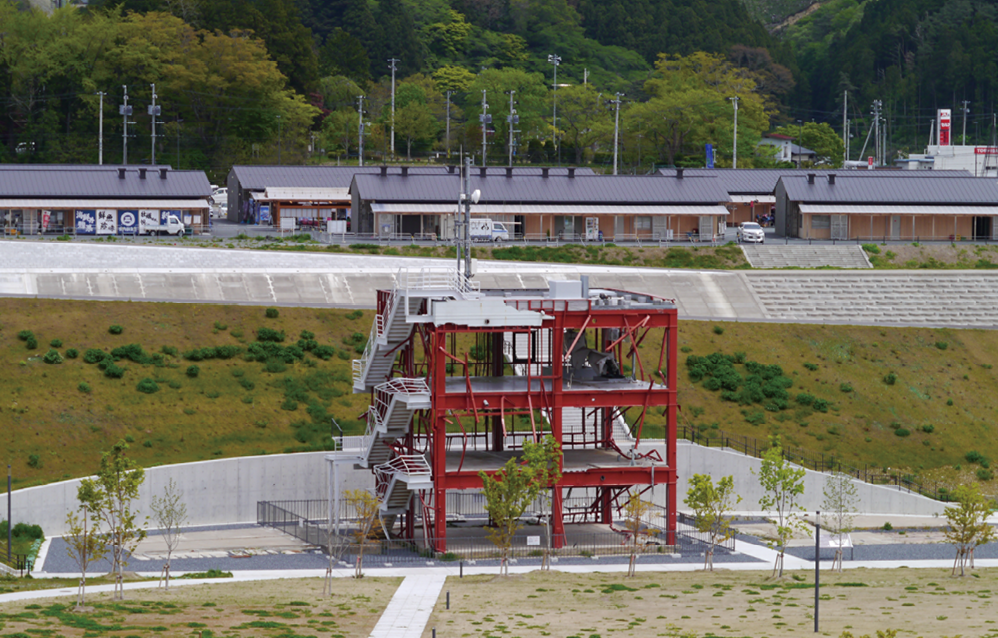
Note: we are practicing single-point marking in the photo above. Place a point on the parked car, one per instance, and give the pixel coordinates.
(220, 197)
(751, 232)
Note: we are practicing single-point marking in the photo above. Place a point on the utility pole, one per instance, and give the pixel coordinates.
(360, 127)
(280, 140)
(876, 128)
(154, 111)
(125, 111)
(391, 65)
(800, 134)
(616, 127)
(734, 148)
(511, 119)
(10, 523)
(467, 218)
(100, 131)
(555, 60)
(848, 138)
(485, 119)
(448, 123)
(845, 126)
(179, 122)
(965, 111)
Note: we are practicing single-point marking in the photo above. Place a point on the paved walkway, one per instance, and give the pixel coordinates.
(410, 607)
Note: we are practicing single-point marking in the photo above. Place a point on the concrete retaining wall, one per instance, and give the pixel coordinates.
(227, 490)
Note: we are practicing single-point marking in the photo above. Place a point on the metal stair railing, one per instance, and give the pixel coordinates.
(361, 365)
(407, 464)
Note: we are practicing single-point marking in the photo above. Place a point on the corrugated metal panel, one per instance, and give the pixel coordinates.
(748, 199)
(845, 209)
(311, 194)
(889, 191)
(598, 190)
(103, 203)
(94, 183)
(540, 209)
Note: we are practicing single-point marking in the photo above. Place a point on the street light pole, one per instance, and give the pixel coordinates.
(555, 60)
(511, 119)
(616, 127)
(100, 130)
(125, 112)
(448, 123)
(734, 148)
(800, 134)
(485, 119)
(391, 65)
(360, 128)
(154, 111)
(280, 141)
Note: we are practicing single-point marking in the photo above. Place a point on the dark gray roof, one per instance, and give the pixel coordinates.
(77, 167)
(87, 182)
(262, 177)
(618, 189)
(762, 181)
(889, 190)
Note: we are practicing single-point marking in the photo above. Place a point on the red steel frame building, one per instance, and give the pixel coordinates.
(460, 378)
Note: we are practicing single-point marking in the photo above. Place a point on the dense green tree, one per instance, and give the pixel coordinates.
(584, 119)
(820, 138)
(399, 39)
(343, 54)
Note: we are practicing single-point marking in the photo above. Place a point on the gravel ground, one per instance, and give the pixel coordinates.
(58, 561)
(901, 552)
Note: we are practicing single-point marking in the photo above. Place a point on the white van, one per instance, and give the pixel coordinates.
(488, 230)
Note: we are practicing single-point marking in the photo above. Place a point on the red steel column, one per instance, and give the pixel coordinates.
(438, 444)
(672, 334)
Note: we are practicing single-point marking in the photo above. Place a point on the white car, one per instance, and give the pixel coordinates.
(220, 197)
(751, 232)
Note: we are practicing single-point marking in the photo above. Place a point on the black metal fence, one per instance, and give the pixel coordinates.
(688, 532)
(812, 461)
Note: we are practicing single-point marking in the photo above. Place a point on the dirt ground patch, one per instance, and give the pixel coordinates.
(264, 608)
(914, 602)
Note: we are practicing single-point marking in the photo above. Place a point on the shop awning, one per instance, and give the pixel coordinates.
(86, 204)
(748, 199)
(949, 211)
(540, 209)
(292, 194)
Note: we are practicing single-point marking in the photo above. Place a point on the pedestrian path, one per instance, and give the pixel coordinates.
(849, 256)
(410, 608)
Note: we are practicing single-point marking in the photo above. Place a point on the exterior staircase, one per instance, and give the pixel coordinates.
(801, 255)
(397, 479)
(389, 418)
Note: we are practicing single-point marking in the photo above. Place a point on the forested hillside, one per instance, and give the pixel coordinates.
(278, 81)
(243, 81)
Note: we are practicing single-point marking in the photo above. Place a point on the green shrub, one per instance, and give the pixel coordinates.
(34, 461)
(845, 387)
(272, 313)
(326, 352)
(193, 371)
(268, 334)
(307, 334)
(275, 366)
(115, 329)
(820, 405)
(902, 432)
(52, 357)
(133, 352)
(169, 350)
(928, 429)
(887, 526)
(973, 456)
(985, 474)
(718, 330)
(811, 366)
(56, 343)
(147, 386)
(220, 326)
(147, 443)
(949, 401)
(686, 349)
(805, 399)
(289, 405)
(31, 343)
(890, 378)
(93, 355)
(942, 345)
(247, 384)
(24, 335)
(84, 387)
(72, 353)
(873, 249)
(114, 371)
(355, 314)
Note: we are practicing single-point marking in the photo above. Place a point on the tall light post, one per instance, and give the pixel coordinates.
(511, 119)
(448, 123)
(360, 128)
(391, 65)
(100, 130)
(965, 112)
(734, 146)
(800, 134)
(124, 110)
(280, 140)
(485, 119)
(555, 60)
(154, 111)
(616, 127)
(179, 122)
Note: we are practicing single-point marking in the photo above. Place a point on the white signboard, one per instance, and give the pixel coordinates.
(533, 541)
(336, 226)
(287, 223)
(835, 541)
(107, 222)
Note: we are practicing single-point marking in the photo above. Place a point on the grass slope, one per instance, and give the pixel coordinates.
(53, 430)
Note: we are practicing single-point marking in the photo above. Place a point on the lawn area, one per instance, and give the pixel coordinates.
(918, 602)
(264, 608)
(918, 399)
